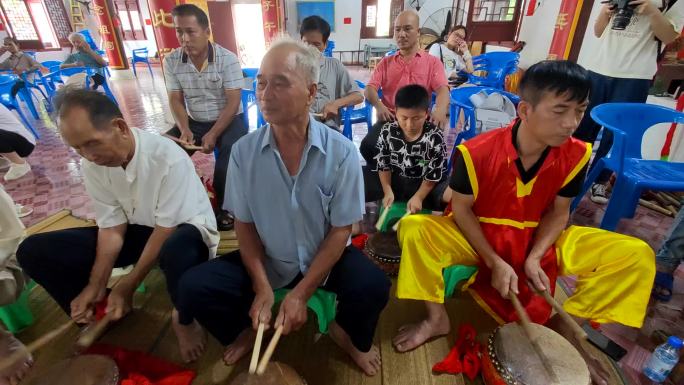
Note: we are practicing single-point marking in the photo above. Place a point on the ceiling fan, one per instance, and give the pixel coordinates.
(416, 4)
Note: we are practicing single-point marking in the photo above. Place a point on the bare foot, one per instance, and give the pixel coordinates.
(16, 372)
(599, 374)
(191, 338)
(242, 345)
(369, 361)
(413, 335)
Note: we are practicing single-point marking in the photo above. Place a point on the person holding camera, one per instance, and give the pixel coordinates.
(454, 55)
(630, 34)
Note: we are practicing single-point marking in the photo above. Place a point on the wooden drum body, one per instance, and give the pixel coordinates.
(383, 248)
(509, 358)
(82, 370)
(276, 374)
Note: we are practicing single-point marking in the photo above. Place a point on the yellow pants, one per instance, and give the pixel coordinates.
(614, 272)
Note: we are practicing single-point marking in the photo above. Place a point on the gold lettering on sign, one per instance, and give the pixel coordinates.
(162, 18)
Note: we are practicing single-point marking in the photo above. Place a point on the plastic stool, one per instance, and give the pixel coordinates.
(322, 302)
(453, 275)
(396, 211)
(17, 316)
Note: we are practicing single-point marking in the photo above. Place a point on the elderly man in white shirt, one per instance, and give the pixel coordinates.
(150, 207)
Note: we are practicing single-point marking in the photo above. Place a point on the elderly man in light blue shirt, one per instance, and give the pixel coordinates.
(295, 188)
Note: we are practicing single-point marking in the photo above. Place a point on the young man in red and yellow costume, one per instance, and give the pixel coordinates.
(512, 192)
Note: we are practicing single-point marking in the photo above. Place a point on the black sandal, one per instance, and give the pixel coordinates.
(225, 221)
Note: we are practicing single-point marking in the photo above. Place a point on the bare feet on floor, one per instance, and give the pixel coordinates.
(369, 362)
(10, 345)
(599, 374)
(242, 345)
(192, 338)
(413, 335)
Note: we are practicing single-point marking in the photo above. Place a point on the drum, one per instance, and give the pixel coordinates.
(87, 369)
(383, 249)
(509, 358)
(276, 374)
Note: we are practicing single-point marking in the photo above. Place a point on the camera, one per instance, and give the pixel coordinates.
(623, 13)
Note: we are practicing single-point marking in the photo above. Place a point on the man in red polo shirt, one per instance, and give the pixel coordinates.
(410, 65)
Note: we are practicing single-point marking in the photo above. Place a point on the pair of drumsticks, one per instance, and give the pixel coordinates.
(527, 328)
(185, 145)
(84, 341)
(261, 368)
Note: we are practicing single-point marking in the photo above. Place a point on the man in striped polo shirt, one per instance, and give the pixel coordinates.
(204, 81)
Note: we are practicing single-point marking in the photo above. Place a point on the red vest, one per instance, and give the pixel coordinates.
(509, 211)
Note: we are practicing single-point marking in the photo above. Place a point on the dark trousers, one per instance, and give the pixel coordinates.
(368, 145)
(97, 80)
(61, 261)
(16, 87)
(606, 89)
(13, 142)
(403, 189)
(219, 295)
(224, 144)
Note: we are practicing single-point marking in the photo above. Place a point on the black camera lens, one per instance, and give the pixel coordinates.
(622, 18)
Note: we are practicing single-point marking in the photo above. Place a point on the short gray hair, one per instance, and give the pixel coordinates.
(76, 35)
(307, 59)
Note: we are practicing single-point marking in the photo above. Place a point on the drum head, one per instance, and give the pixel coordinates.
(515, 355)
(81, 370)
(384, 245)
(275, 374)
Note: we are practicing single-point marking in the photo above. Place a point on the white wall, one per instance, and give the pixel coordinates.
(347, 37)
(537, 32)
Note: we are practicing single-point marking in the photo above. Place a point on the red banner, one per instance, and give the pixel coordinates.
(271, 11)
(110, 36)
(564, 31)
(162, 23)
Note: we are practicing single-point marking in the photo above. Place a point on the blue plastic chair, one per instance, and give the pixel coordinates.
(497, 66)
(353, 115)
(628, 122)
(249, 98)
(6, 84)
(329, 49)
(33, 80)
(140, 55)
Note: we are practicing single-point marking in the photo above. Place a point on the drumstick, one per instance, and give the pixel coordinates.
(382, 218)
(186, 145)
(396, 225)
(576, 328)
(256, 349)
(35, 345)
(269, 350)
(92, 333)
(527, 328)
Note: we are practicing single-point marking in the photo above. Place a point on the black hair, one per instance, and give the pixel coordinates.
(457, 27)
(557, 76)
(412, 96)
(100, 108)
(11, 39)
(315, 23)
(191, 10)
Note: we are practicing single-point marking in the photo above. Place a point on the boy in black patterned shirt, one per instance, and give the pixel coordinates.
(411, 160)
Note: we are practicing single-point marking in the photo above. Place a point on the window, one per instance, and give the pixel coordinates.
(131, 19)
(40, 16)
(378, 16)
(36, 24)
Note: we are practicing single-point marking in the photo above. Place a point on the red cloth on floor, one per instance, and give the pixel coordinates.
(138, 368)
(464, 357)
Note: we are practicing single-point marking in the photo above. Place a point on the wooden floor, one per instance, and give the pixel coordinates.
(314, 357)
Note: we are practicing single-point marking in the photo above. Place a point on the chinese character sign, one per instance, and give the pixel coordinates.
(273, 21)
(564, 30)
(111, 39)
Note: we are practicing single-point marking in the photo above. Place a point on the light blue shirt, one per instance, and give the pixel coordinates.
(293, 214)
